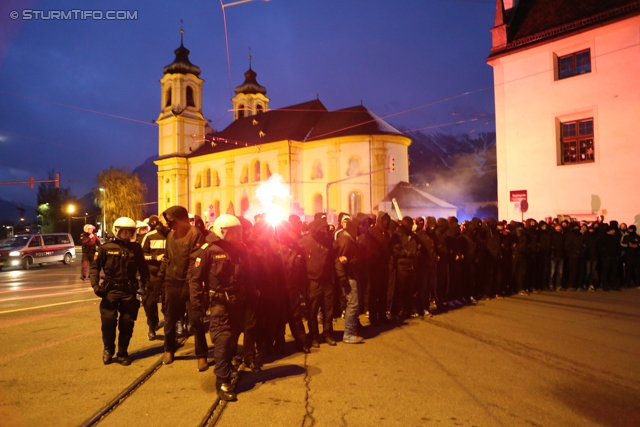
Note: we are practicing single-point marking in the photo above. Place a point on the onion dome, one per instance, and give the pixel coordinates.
(182, 65)
(250, 84)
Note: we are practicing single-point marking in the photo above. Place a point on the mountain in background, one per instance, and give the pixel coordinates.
(148, 175)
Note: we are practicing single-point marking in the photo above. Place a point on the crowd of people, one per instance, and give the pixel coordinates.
(236, 277)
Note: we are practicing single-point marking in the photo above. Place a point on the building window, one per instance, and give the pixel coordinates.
(577, 142)
(317, 203)
(316, 170)
(354, 168)
(256, 171)
(259, 109)
(168, 100)
(355, 203)
(207, 177)
(574, 64)
(240, 111)
(190, 101)
(216, 179)
(198, 183)
(244, 177)
(199, 209)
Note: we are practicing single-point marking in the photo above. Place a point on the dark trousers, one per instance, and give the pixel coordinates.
(150, 304)
(519, 268)
(379, 283)
(176, 303)
(405, 288)
(493, 281)
(123, 303)
(250, 318)
(271, 321)
(320, 297)
(442, 285)
(87, 259)
(294, 316)
(225, 326)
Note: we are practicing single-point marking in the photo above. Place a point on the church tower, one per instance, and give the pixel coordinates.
(180, 123)
(250, 97)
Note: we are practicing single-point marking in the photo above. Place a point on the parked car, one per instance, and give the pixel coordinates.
(26, 250)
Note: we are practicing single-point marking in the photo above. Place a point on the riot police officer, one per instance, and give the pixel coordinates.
(120, 259)
(220, 275)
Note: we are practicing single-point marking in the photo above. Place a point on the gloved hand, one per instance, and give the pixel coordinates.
(100, 291)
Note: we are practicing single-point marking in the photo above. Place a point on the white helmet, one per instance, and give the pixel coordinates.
(223, 223)
(124, 223)
(142, 226)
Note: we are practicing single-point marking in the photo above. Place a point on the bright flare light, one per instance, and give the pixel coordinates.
(273, 196)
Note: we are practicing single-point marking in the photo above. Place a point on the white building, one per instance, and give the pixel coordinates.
(567, 94)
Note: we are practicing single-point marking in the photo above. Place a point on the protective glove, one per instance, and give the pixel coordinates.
(100, 291)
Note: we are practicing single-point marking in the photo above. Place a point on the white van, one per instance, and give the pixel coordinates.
(28, 249)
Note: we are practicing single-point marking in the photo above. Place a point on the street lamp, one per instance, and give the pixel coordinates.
(70, 209)
(104, 215)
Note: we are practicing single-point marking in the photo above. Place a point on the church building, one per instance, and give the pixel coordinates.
(567, 98)
(346, 160)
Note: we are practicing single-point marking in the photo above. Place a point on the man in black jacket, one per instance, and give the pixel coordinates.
(183, 243)
(404, 245)
(426, 265)
(346, 273)
(154, 247)
(380, 256)
(319, 259)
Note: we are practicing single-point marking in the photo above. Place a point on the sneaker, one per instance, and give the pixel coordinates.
(254, 368)
(592, 288)
(124, 360)
(352, 339)
(315, 343)
(522, 293)
(151, 334)
(225, 392)
(179, 328)
(106, 357)
(427, 314)
(498, 296)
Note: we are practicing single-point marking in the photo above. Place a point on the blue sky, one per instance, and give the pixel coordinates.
(79, 96)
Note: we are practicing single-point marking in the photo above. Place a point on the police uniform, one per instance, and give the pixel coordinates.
(120, 260)
(154, 247)
(220, 281)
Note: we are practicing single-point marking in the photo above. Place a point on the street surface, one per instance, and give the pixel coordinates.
(550, 359)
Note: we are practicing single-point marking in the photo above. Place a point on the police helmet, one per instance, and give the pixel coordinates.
(223, 223)
(124, 223)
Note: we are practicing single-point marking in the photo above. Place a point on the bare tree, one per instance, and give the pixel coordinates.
(123, 195)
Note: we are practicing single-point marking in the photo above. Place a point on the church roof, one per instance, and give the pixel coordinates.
(182, 65)
(409, 197)
(250, 84)
(304, 122)
(534, 21)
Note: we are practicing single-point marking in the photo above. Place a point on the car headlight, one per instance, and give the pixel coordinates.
(14, 253)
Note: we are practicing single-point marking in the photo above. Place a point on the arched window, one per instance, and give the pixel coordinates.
(256, 171)
(216, 179)
(267, 171)
(316, 170)
(240, 111)
(317, 203)
(207, 177)
(167, 102)
(190, 101)
(355, 203)
(244, 177)
(199, 209)
(259, 109)
(198, 182)
(354, 167)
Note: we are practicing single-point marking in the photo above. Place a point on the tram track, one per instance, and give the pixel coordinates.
(209, 419)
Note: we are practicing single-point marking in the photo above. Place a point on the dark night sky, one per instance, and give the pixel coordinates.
(79, 96)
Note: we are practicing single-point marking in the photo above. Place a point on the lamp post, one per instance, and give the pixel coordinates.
(104, 215)
(70, 209)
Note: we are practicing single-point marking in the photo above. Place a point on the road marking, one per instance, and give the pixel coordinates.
(48, 305)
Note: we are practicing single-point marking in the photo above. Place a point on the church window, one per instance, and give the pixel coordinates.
(244, 177)
(190, 100)
(577, 142)
(574, 64)
(240, 111)
(267, 171)
(316, 170)
(354, 167)
(259, 109)
(216, 179)
(198, 183)
(317, 203)
(256, 171)
(355, 203)
(168, 100)
(199, 209)
(207, 177)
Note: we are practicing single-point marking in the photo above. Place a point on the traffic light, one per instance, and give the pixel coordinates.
(30, 182)
(391, 166)
(57, 180)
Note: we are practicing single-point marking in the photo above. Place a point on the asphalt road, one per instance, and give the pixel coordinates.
(550, 359)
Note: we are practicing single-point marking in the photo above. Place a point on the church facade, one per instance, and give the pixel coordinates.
(567, 95)
(331, 161)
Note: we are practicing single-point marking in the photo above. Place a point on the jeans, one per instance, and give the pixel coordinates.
(557, 265)
(351, 311)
